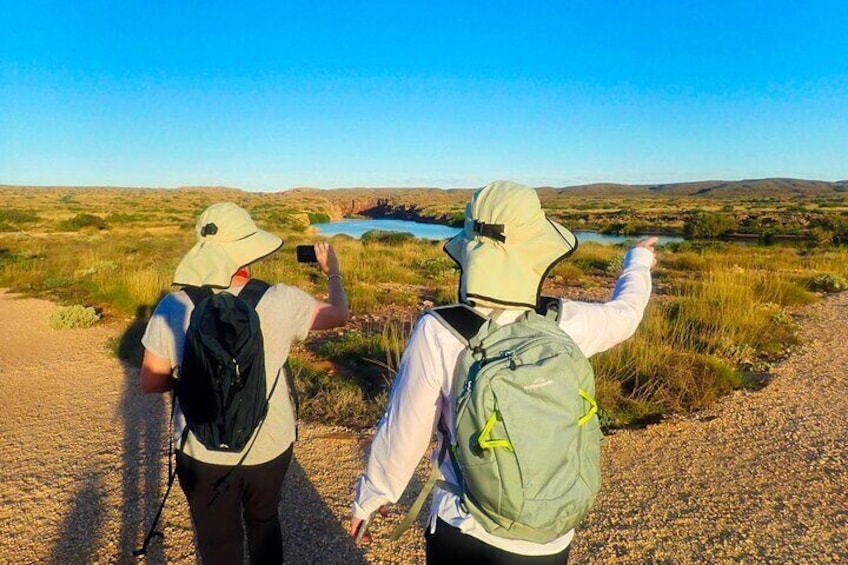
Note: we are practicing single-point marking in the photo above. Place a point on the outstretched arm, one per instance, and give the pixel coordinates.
(598, 327)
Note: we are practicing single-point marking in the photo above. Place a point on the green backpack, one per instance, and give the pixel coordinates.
(527, 434)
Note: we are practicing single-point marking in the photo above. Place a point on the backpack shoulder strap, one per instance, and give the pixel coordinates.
(253, 292)
(547, 305)
(460, 319)
(197, 293)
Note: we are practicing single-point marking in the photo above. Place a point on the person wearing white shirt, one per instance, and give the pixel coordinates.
(505, 251)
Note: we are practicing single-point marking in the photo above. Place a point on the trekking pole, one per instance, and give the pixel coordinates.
(172, 472)
(153, 531)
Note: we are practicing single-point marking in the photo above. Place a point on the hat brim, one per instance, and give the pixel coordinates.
(508, 274)
(212, 263)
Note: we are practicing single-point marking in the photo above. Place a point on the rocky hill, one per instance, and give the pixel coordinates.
(775, 187)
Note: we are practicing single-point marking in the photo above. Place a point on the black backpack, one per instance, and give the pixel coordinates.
(221, 382)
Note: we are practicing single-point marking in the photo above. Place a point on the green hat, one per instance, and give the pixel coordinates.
(227, 239)
(507, 247)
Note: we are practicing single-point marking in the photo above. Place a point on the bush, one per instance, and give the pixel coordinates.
(828, 283)
(81, 221)
(707, 225)
(435, 268)
(318, 218)
(11, 219)
(104, 266)
(387, 237)
(457, 220)
(76, 316)
(615, 264)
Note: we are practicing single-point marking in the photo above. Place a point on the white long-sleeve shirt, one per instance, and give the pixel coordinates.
(421, 395)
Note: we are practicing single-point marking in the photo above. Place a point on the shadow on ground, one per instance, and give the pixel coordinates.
(86, 516)
(311, 532)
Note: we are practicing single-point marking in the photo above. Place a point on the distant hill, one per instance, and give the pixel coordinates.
(202, 189)
(210, 189)
(771, 187)
(717, 188)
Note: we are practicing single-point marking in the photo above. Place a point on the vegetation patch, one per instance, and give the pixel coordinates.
(83, 221)
(721, 310)
(318, 217)
(329, 398)
(13, 219)
(387, 237)
(705, 225)
(76, 316)
(828, 282)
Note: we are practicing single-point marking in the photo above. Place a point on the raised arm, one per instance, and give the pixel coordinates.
(333, 313)
(598, 327)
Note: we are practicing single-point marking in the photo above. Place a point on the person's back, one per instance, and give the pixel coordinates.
(505, 250)
(222, 485)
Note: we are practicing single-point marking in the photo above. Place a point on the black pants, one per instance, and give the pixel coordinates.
(449, 546)
(253, 489)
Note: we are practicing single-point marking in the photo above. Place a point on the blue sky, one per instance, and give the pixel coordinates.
(269, 96)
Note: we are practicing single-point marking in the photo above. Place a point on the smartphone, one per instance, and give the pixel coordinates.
(306, 254)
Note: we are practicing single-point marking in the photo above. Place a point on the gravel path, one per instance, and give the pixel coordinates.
(760, 479)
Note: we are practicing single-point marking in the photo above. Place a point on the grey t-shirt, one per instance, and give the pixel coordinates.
(285, 316)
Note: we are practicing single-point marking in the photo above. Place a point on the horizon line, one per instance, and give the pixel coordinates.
(362, 187)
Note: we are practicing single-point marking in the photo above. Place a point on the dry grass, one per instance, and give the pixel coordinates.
(721, 316)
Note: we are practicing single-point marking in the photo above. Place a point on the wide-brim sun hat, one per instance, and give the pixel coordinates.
(507, 247)
(227, 240)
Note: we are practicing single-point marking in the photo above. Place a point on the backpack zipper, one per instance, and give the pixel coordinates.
(238, 373)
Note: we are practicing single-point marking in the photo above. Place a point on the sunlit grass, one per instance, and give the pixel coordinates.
(723, 309)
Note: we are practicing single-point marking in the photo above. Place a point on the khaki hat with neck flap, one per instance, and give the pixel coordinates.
(227, 239)
(507, 247)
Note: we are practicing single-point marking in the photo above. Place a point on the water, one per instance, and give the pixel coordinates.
(587, 236)
(355, 228)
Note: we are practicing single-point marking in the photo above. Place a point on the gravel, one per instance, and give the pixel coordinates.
(761, 478)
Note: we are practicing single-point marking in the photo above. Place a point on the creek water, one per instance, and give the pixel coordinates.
(356, 228)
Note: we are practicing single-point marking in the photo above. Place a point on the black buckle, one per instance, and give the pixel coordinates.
(494, 231)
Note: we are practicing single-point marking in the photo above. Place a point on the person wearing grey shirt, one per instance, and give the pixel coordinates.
(228, 241)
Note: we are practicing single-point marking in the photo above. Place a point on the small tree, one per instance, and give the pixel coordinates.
(709, 225)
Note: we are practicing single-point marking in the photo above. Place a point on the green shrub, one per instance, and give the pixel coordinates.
(828, 282)
(708, 225)
(785, 293)
(615, 264)
(81, 221)
(387, 237)
(104, 266)
(457, 220)
(435, 268)
(12, 219)
(688, 245)
(318, 217)
(76, 316)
